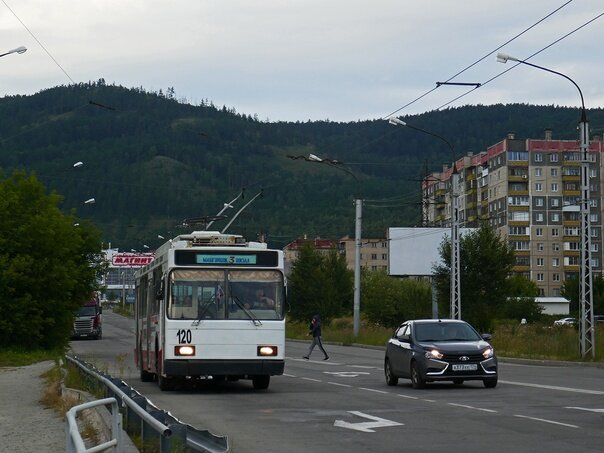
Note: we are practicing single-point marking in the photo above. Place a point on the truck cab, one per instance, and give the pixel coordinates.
(88, 321)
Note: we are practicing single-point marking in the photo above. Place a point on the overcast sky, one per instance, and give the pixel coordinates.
(307, 59)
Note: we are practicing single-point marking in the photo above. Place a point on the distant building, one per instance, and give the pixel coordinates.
(292, 250)
(119, 279)
(374, 253)
(528, 190)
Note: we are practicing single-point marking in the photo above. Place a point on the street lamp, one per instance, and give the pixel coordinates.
(358, 203)
(455, 299)
(20, 49)
(587, 341)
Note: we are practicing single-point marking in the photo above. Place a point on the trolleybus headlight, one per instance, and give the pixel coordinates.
(267, 350)
(184, 350)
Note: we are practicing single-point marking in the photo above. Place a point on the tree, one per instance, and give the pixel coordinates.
(570, 290)
(388, 301)
(521, 303)
(319, 284)
(486, 262)
(48, 265)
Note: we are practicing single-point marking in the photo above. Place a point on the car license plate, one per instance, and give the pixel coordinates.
(465, 367)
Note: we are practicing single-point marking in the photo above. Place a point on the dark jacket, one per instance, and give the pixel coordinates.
(315, 326)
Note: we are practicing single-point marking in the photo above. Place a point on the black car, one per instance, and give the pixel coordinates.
(427, 350)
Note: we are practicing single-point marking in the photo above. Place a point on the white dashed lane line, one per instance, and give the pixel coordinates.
(546, 421)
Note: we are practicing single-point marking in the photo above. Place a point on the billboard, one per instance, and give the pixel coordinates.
(414, 251)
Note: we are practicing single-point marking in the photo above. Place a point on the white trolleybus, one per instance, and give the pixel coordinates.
(211, 305)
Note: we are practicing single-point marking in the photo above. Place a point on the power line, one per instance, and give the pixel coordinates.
(479, 60)
(38, 41)
(525, 59)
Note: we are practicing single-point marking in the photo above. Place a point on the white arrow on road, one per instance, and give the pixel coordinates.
(585, 409)
(366, 427)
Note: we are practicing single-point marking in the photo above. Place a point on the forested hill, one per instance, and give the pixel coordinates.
(151, 161)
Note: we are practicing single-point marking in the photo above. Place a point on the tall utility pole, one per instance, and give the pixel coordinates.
(455, 300)
(455, 310)
(587, 331)
(358, 203)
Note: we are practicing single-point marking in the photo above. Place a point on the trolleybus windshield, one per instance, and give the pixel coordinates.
(218, 294)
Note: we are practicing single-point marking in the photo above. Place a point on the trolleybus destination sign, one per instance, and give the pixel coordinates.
(225, 259)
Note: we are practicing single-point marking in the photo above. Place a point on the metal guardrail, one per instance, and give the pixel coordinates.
(157, 429)
(73, 438)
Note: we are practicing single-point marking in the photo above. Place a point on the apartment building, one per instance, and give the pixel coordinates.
(374, 253)
(529, 191)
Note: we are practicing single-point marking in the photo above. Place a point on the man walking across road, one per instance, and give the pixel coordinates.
(315, 330)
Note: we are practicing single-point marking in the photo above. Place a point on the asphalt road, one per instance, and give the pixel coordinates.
(344, 404)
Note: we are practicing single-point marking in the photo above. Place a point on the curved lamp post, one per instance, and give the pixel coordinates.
(587, 329)
(20, 49)
(455, 299)
(358, 202)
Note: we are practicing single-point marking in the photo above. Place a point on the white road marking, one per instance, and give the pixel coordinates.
(554, 387)
(340, 385)
(585, 409)
(346, 373)
(547, 421)
(374, 390)
(407, 396)
(365, 367)
(289, 375)
(429, 401)
(472, 407)
(366, 427)
(311, 379)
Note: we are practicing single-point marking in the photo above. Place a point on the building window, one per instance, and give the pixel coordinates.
(541, 292)
(555, 232)
(538, 187)
(594, 233)
(555, 247)
(593, 218)
(374, 256)
(555, 202)
(539, 231)
(540, 277)
(540, 246)
(556, 277)
(595, 262)
(538, 171)
(538, 157)
(553, 158)
(539, 201)
(555, 217)
(540, 262)
(554, 187)
(538, 217)
(556, 291)
(555, 262)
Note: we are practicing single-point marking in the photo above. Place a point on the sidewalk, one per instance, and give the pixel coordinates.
(25, 425)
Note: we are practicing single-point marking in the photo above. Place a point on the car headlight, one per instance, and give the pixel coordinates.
(433, 354)
(488, 353)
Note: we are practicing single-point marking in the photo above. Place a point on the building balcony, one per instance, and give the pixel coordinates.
(571, 193)
(571, 178)
(518, 192)
(512, 207)
(518, 163)
(517, 178)
(521, 268)
(572, 253)
(522, 252)
(518, 223)
(571, 223)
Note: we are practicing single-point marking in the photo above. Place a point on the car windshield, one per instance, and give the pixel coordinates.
(445, 331)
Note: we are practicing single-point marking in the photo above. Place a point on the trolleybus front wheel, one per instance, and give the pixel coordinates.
(261, 382)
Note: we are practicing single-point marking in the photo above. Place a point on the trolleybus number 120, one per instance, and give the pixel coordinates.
(184, 336)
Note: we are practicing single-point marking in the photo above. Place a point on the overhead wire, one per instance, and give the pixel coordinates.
(525, 59)
(480, 59)
(39, 43)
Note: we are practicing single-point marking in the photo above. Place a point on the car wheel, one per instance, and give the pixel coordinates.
(416, 378)
(457, 381)
(490, 382)
(391, 379)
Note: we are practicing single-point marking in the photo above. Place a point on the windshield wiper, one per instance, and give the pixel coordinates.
(249, 314)
(203, 310)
